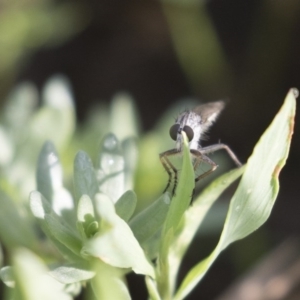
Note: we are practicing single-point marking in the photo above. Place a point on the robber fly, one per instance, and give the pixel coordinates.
(195, 123)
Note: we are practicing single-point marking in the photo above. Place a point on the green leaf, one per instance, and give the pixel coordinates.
(183, 194)
(54, 121)
(60, 230)
(252, 202)
(110, 168)
(151, 245)
(72, 273)
(194, 217)
(49, 171)
(115, 243)
(180, 202)
(152, 288)
(32, 279)
(57, 116)
(53, 225)
(85, 181)
(49, 177)
(149, 221)
(125, 206)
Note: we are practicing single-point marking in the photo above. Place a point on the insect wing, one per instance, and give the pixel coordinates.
(209, 112)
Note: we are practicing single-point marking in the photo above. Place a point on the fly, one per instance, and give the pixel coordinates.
(195, 124)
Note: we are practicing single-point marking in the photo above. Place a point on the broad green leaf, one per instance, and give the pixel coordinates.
(110, 168)
(52, 224)
(180, 202)
(115, 243)
(32, 279)
(15, 230)
(85, 181)
(194, 217)
(109, 283)
(72, 274)
(125, 206)
(254, 198)
(150, 220)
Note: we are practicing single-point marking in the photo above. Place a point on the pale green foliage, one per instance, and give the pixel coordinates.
(94, 230)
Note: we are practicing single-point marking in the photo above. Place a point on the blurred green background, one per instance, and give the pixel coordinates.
(162, 52)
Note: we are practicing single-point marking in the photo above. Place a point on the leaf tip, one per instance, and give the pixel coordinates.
(295, 92)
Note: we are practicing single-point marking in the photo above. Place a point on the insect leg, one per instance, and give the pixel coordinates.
(169, 167)
(216, 147)
(199, 157)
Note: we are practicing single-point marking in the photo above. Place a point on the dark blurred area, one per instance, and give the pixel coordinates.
(160, 52)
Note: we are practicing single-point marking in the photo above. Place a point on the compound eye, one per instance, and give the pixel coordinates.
(174, 131)
(189, 132)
